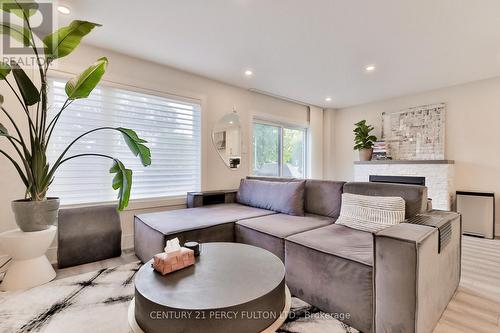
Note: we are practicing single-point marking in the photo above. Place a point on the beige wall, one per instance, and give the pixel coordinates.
(329, 143)
(472, 130)
(217, 98)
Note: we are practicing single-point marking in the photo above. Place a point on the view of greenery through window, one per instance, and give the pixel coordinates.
(268, 140)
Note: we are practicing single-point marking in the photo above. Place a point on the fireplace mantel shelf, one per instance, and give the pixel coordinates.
(406, 162)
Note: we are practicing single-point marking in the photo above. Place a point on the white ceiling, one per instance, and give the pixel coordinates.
(308, 49)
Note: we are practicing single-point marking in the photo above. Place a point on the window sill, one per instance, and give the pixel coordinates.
(138, 203)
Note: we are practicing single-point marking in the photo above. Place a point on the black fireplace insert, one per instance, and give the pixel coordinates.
(409, 180)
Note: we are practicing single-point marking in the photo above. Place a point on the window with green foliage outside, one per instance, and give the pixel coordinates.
(279, 150)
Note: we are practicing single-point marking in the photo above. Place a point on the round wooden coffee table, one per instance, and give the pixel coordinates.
(231, 288)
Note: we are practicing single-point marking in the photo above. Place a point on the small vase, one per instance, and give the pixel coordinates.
(365, 154)
(36, 215)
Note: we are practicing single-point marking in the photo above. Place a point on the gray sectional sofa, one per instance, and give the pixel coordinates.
(397, 280)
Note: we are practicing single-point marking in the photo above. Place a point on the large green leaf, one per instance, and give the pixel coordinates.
(17, 32)
(4, 70)
(122, 181)
(82, 85)
(20, 8)
(136, 145)
(62, 42)
(28, 90)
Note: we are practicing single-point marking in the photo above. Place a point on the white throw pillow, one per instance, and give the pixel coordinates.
(371, 213)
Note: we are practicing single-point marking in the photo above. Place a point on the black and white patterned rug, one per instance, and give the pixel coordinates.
(98, 302)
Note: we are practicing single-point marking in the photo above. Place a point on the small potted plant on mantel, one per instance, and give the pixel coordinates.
(363, 140)
(36, 211)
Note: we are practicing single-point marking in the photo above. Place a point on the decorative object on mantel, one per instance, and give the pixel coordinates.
(380, 151)
(36, 211)
(417, 133)
(174, 258)
(363, 140)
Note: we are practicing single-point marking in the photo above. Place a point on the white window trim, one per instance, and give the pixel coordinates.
(153, 202)
(281, 125)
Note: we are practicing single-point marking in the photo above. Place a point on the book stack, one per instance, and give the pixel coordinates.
(379, 150)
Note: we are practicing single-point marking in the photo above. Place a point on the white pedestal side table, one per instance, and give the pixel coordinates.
(29, 267)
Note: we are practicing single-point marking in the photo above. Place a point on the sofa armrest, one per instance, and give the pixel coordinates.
(413, 280)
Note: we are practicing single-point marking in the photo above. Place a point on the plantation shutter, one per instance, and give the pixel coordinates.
(171, 127)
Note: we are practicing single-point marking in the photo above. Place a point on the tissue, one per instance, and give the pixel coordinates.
(173, 246)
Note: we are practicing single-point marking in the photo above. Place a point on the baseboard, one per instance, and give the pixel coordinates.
(127, 241)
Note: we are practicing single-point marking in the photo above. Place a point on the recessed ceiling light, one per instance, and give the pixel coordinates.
(370, 68)
(248, 72)
(328, 99)
(63, 10)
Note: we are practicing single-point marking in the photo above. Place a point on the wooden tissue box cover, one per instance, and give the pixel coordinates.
(167, 263)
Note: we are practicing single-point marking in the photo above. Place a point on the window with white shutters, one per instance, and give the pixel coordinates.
(172, 128)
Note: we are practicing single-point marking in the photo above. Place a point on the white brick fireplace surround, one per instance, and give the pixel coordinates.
(439, 176)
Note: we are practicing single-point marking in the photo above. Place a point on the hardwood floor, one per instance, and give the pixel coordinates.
(127, 256)
(476, 305)
(474, 308)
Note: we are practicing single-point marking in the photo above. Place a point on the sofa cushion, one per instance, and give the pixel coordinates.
(269, 232)
(282, 225)
(338, 240)
(415, 196)
(323, 197)
(213, 223)
(174, 221)
(275, 179)
(283, 197)
(249, 236)
(372, 214)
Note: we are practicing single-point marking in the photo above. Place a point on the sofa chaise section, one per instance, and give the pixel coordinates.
(332, 268)
(214, 223)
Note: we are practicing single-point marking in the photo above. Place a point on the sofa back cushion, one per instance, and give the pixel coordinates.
(370, 213)
(323, 197)
(283, 197)
(275, 179)
(415, 196)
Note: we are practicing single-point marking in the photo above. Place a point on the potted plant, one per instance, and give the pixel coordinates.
(36, 211)
(363, 141)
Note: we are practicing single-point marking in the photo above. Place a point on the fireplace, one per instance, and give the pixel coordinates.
(409, 180)
(437, 176)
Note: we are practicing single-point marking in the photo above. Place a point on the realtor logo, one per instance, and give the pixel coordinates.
(17, 41)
